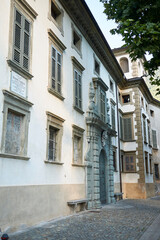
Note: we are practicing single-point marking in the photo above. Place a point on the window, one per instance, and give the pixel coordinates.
(56, 15)
(156, 171)
(77, 84)
(77, 145)
(113, 117)
(150, 163)
(21, 44)
(146, 107)
(78, 89)
(111, 85)
(15, 126)
(56, 70)
(13, 141)
(102, 105)
(76, 40)
(55, 66)
(119, 97)
(152, 113)
(96, 67)
(114, 160)
(54, 138)
(142, 102)
(129, 162)
(144, 130)
(124, 65)
(127, 128)
(126, 98)
(146, 162)
(154, 139)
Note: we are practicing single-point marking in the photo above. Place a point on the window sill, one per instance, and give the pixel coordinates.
(53, 92)
(18, 157)
(154, 148)
(78, 165)
(129, 172)
(54, 162)
(78, 110)
(19, 69)
(129, 140)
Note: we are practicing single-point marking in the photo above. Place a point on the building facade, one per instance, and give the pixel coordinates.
(139, 133)
(58, 118)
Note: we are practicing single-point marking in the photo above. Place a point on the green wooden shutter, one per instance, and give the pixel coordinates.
(154, 139)
(127, 126)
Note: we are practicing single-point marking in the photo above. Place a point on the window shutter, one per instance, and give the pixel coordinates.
(53, 67)
(26, 40)
(76, 87)
(21, 40)
(154, 139)
(59, 72)
(144, 129)
(17, 37)
(127, 129)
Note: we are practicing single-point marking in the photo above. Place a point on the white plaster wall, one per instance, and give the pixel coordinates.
(130, 177)
(35, 171)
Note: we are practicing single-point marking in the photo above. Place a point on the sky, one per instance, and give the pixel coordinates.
(105, 25)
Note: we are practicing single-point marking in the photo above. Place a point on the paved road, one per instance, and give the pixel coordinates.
(125, 220)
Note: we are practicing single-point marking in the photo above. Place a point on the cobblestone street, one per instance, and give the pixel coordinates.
(127, 219)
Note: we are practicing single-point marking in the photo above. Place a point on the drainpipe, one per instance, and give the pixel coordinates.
(120, 176)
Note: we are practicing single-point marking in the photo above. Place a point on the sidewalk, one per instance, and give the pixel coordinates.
(125, 220)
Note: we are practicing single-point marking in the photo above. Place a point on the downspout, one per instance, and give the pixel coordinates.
(120, 176)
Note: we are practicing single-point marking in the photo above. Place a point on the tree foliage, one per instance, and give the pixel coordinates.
(139, 24)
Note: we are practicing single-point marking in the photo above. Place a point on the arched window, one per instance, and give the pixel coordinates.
(124, 65)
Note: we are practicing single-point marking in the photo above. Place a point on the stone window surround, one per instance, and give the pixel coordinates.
(144, 129)
(98, 61)
(150, 164)
(19, 105)
(77, 131)
(129, 115)
(127, 62)
(56, 122)
(74, 29)
(59, 26)
(23, 7)
(129, 153)
(77, 66)
(56, 42)
(146, 166)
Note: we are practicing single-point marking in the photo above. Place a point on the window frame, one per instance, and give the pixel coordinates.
(59, 22)
(146, 162)
(132, 129)
(77, 49)
(29, 14)
(77, 67)
(129, 154)
(55, 43)
(99, 65)
(127, 66)
(56, 123)
(154, 136)
(115, 159)
(79, 133)
(20, 106)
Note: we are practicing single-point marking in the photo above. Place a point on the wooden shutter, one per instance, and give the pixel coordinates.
(53, 68)
(76, 87)
(58, 72)
(127, 126)
(144, 129)
(17, 48)
(154, 139)
(21, 40)
(26, 43)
